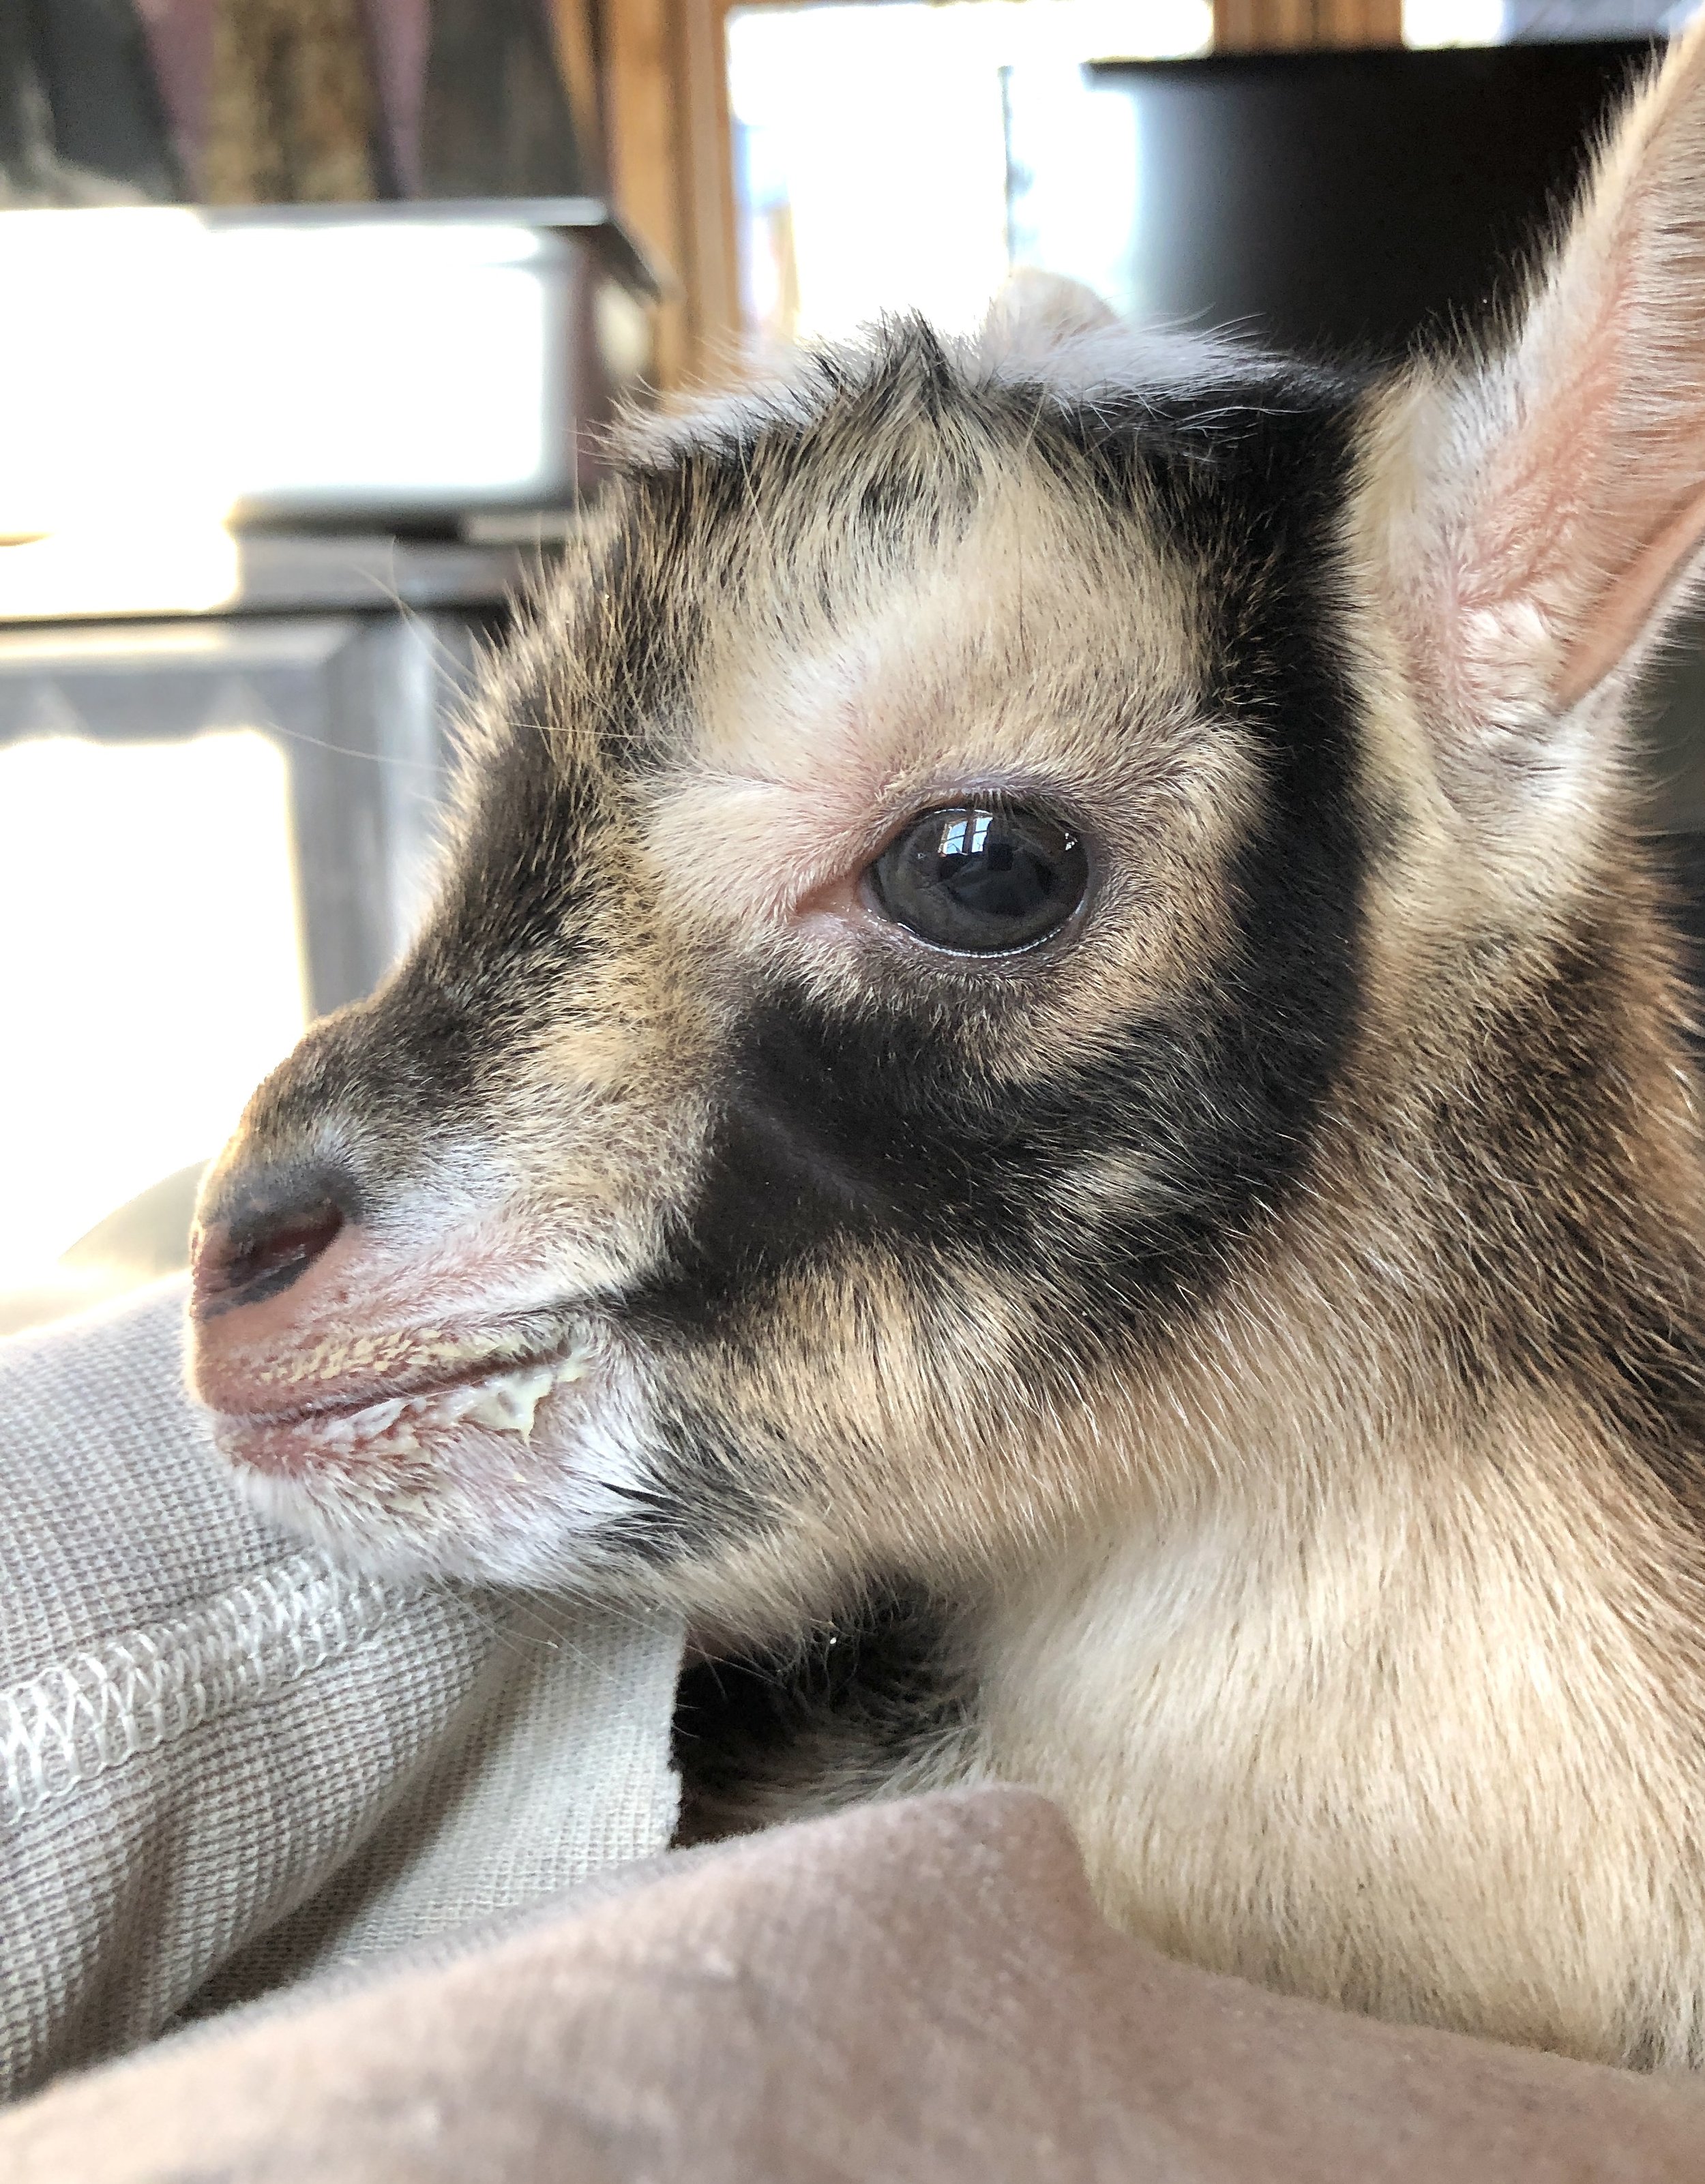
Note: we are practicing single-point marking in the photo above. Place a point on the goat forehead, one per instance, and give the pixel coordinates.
(1008, 526)
(1019, 654)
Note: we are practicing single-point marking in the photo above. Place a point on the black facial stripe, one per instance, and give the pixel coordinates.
(519, 876)
(639, 632)
(834, 1129)
(702, 1491)
(1554, 1100)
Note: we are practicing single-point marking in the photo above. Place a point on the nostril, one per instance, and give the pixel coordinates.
(245, 1261)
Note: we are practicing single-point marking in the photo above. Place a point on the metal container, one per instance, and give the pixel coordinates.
(382, 365)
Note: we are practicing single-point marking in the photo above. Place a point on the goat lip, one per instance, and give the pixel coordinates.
(400, 1388)
(421, 1365)
(492, 1397)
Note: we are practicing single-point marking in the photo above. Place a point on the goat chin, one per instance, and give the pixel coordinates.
(1048, 1089)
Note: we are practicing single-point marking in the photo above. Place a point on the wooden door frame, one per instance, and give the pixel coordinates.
(668, 135)
(1242, 26)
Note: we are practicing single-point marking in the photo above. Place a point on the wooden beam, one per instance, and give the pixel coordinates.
(664, 75)
(643, 121)
(1242, 26)
(708, 189)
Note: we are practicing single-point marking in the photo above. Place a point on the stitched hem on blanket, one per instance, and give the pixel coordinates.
(141, 1692)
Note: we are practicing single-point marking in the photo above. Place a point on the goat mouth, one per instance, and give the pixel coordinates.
(406, 1412)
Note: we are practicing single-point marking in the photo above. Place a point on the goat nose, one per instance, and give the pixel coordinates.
(263, 1245)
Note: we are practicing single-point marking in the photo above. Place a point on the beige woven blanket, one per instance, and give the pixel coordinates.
(225, 1762)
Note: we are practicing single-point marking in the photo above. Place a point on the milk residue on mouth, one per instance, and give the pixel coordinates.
(505, 1401)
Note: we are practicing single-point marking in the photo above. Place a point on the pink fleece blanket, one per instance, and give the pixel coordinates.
(916, 1991)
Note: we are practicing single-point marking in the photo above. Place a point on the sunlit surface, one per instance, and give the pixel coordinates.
(159, 367)
(1452, 22)
(150, 976)
(1499, 22)
(895, 154)
(166, 568)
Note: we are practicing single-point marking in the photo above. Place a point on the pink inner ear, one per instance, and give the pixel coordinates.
(1629, 438)
(1590, 510)
(1625, 605)
(1565, 485)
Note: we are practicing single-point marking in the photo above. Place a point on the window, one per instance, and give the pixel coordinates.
(154, 882)
(898, 155)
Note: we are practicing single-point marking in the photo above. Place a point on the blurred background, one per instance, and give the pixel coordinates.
(314, 309)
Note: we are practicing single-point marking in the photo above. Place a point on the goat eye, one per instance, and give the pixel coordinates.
(980, 880)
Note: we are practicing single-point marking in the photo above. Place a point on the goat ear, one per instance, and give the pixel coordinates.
(1034, 312)
(1543, 510)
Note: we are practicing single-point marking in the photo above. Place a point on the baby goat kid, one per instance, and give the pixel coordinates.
(1047, 1090)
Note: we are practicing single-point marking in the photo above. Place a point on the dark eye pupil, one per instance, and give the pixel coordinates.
(980, 880)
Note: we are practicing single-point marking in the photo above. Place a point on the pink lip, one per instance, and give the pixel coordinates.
(399, 1421)
(321, 1374)
(406, 1385)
